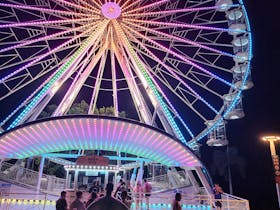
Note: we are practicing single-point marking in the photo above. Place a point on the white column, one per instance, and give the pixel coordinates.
(204, 180)
(153, 173)
(67, 181)
(140, 173)
(40, 173)
(115, 178)
(106, 178)
(76, 179)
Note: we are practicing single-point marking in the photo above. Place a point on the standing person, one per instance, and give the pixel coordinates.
(125, 199)
(176, 202)
(138, 191)
(107, 202)
(77, 204)
(61, 203)
(147, 190)
(217, 190)
(121, 187)
(92, 198)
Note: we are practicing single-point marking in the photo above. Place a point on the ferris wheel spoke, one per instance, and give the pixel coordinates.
(43, 56)
(165, 49)
(62, 71)
(147, 6)
(90, 5)
(96, 90)
(28, 99)
(181, 25)
(175, 11)
(143, 114)
(21, 84)
(155, 58)
(135, 2)
(123, 6)
(149, 82)
(186, 60)
(44, 10)
(45, 38)
(76, 6)
(79, 80)
(42, 23)
(181, 81)
(205, 61)
(114, 75)
(179, 39)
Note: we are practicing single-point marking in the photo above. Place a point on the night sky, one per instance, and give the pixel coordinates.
(261, 106)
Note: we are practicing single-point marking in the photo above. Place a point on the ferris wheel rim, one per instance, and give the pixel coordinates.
(220, 114)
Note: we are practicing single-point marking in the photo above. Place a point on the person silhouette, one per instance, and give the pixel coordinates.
(107, 202)
(77, 204)
(61, 203)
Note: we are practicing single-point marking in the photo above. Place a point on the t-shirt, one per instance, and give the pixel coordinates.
(148, 187)
(61, 204)
(77, 205)
(217, 194)
(107, 203)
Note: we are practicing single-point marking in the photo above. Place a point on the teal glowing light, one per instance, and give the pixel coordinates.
(75, 133)
(152, 86)
(62, 70)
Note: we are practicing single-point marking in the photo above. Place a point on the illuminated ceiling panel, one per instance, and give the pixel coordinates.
(91, 133)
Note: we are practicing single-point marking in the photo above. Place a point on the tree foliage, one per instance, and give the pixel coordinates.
(82, 108)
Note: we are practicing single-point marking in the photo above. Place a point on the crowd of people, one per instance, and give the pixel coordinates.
(122, 198)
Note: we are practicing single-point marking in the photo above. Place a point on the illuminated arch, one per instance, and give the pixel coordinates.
(95, 132)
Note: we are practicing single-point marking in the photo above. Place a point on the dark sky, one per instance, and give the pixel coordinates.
(262, 109)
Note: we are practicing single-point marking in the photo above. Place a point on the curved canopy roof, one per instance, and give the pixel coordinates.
(95, 132)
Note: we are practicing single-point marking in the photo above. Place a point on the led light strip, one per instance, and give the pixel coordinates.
(16, 201)
(151, 84)
(63, 69)
(91, 167)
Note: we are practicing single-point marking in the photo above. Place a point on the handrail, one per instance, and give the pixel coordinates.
(23, 176)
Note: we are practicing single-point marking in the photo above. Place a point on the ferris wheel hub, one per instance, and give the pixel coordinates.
(111, 10)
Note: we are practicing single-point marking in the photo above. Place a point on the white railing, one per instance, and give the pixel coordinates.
(234, 202)
(157, 201)
(20, 175)
(162, 182)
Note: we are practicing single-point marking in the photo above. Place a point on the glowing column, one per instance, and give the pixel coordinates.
(67, 180)
(106, 178)
(275, 161)
(76, 179)
(40, 173)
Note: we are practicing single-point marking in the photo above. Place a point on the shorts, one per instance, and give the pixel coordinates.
(218, 204)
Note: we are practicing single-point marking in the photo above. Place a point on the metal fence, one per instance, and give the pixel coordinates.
(23, 176)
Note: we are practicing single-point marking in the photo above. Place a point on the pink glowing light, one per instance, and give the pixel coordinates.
(111, 10)
(80, 132)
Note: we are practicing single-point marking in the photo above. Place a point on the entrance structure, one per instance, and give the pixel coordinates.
(48, 137)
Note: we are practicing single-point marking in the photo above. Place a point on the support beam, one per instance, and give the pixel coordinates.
(204, 180)
(76, 179)
(40, 173)
(67, 180)
(106, 178)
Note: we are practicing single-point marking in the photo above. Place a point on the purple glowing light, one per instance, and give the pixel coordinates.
(111, 10)
(80, 132)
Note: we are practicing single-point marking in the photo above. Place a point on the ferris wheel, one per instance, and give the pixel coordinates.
(179, 65)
